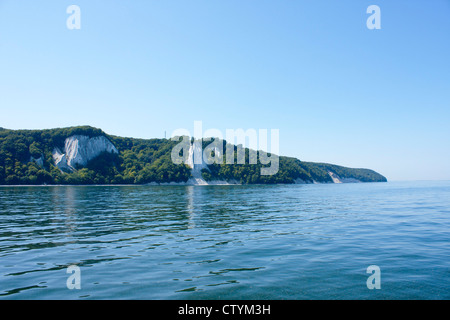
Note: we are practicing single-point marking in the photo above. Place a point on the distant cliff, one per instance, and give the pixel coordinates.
(86, 155)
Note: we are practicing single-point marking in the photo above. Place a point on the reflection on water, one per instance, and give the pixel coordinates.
(225, 242)
(190, 206)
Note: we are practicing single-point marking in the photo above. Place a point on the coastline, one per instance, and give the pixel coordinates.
(181, 184)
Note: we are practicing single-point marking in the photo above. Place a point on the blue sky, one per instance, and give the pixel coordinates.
(337, 91)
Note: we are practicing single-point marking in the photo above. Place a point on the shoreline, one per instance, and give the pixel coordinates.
(186, 184)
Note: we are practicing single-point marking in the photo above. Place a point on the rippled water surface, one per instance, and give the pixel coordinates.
(226, 242)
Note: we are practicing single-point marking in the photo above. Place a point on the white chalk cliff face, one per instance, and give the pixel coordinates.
(39, 161)
(195, 162)
(337, 179)
(79, 150)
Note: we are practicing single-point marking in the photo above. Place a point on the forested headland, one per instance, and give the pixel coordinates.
(27, 158)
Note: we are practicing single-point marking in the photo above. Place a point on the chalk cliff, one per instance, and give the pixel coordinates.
(337, 179)
(79, 150)
(197, 164)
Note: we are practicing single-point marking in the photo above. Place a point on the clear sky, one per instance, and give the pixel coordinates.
(337, 91)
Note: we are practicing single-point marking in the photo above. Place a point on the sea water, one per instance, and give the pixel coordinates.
(226, 242)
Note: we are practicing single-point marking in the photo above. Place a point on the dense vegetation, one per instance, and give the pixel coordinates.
(26, 158)
(317, 171)
(139, 160)
(290, 171)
